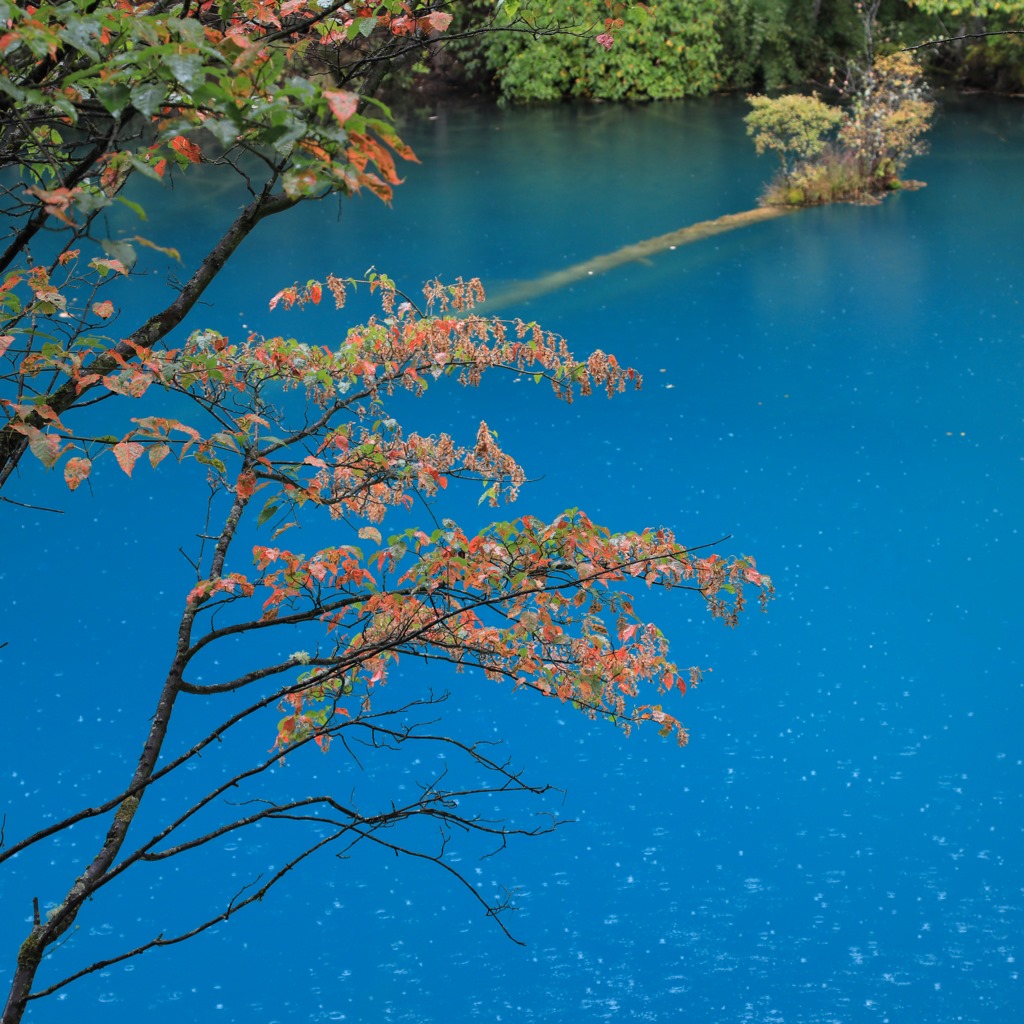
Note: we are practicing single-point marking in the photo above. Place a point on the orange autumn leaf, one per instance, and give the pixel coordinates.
(364, 149)
(288, 296)
(76, 470)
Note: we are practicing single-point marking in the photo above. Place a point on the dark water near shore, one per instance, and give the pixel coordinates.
(841, 390)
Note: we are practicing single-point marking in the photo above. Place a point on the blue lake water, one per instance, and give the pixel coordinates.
(840, 390)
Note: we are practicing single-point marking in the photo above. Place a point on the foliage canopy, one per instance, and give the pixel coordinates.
(278, 432)
(791, 124)
(663, 51)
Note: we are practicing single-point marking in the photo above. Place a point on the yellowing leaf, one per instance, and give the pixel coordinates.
(370, 533)
(165, 249)
(103, 309)
(158, 452)
(45, 447)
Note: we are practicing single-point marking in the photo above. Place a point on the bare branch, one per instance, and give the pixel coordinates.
(942, 41)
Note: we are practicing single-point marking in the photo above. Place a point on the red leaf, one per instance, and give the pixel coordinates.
(246, 486)
(436, 21)
(343, 104)
(288, 295)
(103, 309)
(187, 149)
(127, 454)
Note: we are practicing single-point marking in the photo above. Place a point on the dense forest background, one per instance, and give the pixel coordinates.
(677, 48)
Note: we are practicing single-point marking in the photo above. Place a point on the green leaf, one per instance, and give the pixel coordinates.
(148, 98)
(122, 251)
(361, 26)
(268, 510)
(134, 207)
(147, 29)
(8, 87)
(190, 29)
(90, 199)
(114, 96)
(222, 129)
(81, 33)
(211, 460)
(187, 68)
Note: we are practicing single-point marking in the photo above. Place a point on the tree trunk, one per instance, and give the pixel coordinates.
(45, 933)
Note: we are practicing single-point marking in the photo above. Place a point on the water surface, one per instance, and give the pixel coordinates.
(841, 391)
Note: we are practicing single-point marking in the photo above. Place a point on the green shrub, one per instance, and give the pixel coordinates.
(665, 51)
